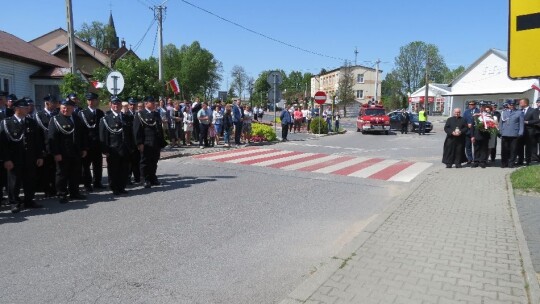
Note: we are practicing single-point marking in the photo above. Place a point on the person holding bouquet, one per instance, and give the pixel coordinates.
(454, 144)
(484, 126)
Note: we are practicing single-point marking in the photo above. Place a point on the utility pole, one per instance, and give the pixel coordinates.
(427, 86)
(377, 79)
(158, 11)
(71, 37)
(355, 55)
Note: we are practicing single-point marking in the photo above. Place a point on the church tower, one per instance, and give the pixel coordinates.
(114, 43)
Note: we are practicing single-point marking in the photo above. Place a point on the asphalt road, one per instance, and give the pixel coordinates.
(213, 233)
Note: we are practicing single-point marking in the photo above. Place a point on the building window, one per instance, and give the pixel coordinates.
(360, 78)
(5, 83)
(360, 94)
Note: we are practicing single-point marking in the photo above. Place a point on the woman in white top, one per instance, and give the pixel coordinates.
(246, 127)
(188, 124)
(217, 122)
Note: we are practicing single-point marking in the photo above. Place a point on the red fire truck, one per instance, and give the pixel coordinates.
(372, 118)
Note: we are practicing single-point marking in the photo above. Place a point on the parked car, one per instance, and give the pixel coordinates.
(395, 122)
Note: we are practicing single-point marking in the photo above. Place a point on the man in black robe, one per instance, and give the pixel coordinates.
(454, 145)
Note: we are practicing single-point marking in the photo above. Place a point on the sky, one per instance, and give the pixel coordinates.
(322, 33)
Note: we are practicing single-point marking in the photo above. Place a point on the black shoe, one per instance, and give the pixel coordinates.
(458, 166)
(147, 184)
(77, 196)
(137, 180)
(448, 166)
(511, 166)
(123, 191)
(63, 200)
(89, 188)
(129, 183)
(32, 205)
(116, 192)
(155, 183)
(16, 208)
(99, 186)
(527, 164)
(474, 165)
(483, 165)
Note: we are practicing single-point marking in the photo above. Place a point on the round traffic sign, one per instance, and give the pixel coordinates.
(320, 97)
(115, 82)
(274, 77)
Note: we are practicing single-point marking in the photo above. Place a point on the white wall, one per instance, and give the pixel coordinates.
(20, 73)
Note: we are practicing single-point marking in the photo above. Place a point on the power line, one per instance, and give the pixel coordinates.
(141, 41)
(261, 34)
(155, 40)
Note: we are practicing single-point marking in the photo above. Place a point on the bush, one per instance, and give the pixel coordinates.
(314, 126)
(264, 131)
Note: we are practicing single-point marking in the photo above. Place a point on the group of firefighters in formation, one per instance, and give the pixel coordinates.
(53, 149)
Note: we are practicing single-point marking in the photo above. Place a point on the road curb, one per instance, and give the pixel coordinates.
(528, 269)
(310, 285)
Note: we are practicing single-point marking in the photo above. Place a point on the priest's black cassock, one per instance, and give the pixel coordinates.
(454, 146)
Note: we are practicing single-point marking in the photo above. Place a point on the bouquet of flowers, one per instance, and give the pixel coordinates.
(485, 123)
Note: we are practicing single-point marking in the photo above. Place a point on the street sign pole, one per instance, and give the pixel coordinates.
(115, 85)
(275, 97)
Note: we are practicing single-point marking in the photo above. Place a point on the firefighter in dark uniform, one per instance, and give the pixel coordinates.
(149, 140)
(91, 117)
(116, 139)
(46, 173)
(134, 155)
(11, 98)
(23, 150)
(68, 144)
(4, 113)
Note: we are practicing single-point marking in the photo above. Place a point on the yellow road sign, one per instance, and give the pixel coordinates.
(524, 39)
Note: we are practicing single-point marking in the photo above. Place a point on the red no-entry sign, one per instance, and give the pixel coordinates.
(320, 97)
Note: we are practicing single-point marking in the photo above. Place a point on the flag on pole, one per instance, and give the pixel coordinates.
(535, 87)
(175, 86)
(98, 85)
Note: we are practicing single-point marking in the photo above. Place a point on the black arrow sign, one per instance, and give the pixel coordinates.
(528, 22)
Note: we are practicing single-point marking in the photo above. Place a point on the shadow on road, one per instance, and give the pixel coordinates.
(51, 205)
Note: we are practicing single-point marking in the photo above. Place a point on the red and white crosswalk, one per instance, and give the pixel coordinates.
(363, 167)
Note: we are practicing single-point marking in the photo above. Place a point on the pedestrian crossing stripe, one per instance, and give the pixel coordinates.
(344, 165)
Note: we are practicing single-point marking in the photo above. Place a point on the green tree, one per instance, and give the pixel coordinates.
(96, 34)
(453, 74)
(345, 90)
(73, 83)
(294, 86)
(410, 65)
(392, 93)
(197, 66)
(140, 78)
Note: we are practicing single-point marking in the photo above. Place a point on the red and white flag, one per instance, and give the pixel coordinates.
(175, 86)
(98, 85)
(535, 87)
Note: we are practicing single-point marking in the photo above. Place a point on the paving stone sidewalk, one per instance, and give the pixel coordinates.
(453, 240)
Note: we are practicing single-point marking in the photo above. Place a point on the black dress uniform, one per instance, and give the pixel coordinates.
(91, 119)
(117, 143)
(67, 138)
(149, 133)
(481, 145)
(46, 173)
(23, 145)
(134, 155)
(5, 112)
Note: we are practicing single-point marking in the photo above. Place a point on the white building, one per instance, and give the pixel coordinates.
(487, 79)
(28, 71)
(438, 101)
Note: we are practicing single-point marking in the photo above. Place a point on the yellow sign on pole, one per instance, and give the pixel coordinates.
(524, 39)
